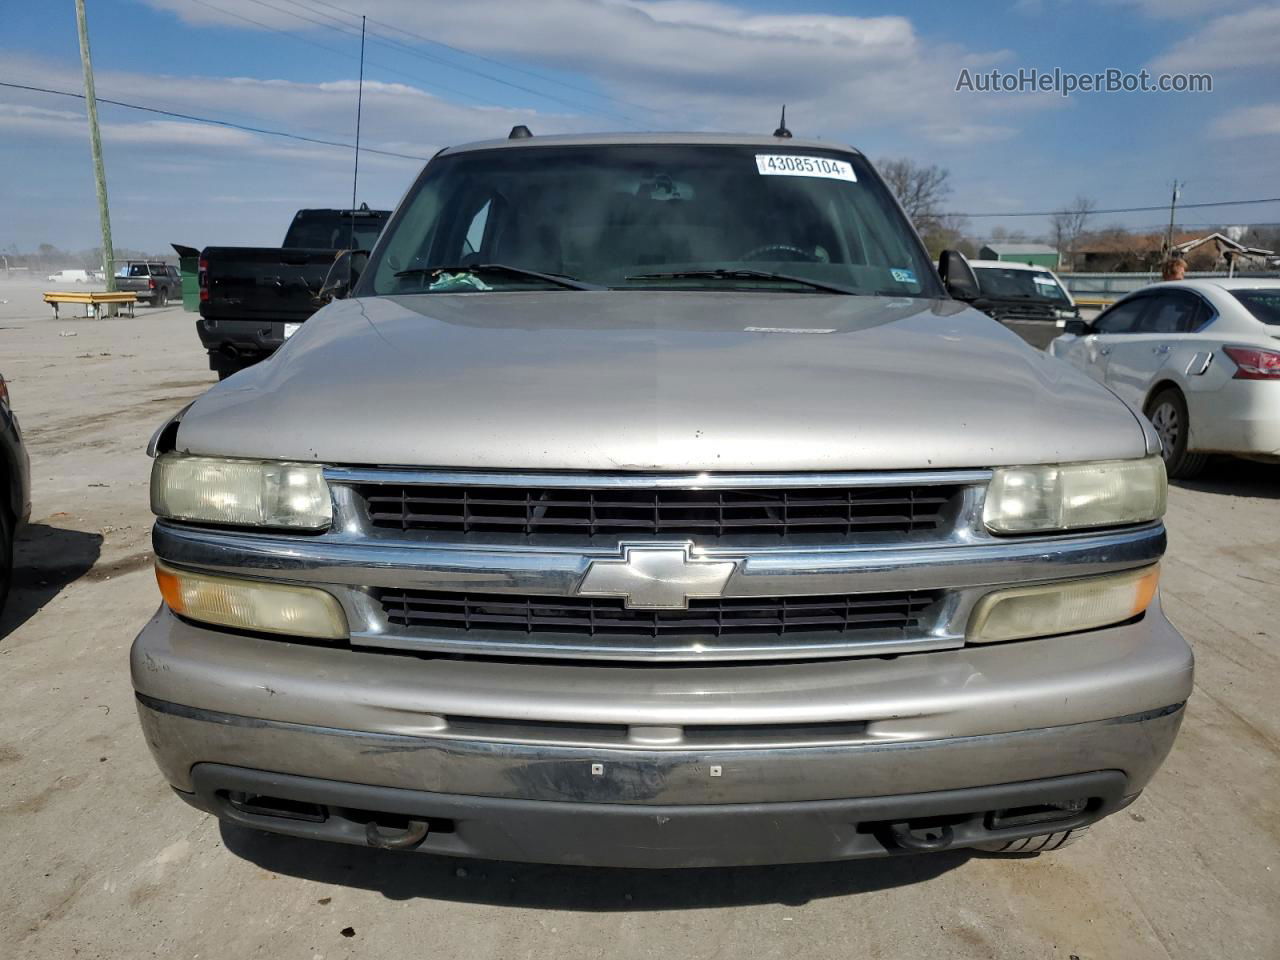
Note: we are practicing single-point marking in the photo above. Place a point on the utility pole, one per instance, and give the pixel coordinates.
(95, 147)
(1168, 237)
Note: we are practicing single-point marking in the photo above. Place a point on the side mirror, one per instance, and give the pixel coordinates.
(343, 274)
(1075, 327)
(957, 276)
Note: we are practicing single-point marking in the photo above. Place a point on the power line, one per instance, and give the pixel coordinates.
(479, 56)
(344, 53)
(1162, 207)
(421, 54)
(210, 120)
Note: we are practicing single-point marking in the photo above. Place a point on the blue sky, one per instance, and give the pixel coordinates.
(878, 75)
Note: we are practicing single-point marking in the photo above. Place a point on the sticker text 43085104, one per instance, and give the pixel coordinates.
(792, 165)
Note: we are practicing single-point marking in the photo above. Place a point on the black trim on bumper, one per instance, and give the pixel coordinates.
(628, 835)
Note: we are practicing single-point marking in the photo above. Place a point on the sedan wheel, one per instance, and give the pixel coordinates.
(1167, 412)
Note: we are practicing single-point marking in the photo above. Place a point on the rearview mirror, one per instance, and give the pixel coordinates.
(1075, 327)
(343, 274)
(957, 276)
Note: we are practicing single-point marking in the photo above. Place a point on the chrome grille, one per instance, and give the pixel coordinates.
(782, 512)
(883, 613)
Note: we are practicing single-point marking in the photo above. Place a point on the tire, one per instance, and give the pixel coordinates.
(1167, 411)
(1043, 843)
(6, 553)
(161, 298)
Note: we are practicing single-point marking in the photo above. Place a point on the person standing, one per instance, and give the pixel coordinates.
(1175, 268)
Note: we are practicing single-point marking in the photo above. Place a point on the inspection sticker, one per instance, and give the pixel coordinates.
(790, 165)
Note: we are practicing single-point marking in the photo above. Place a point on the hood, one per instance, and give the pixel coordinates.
(663, 381)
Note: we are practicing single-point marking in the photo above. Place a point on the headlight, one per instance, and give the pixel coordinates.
(252, 604)
(252, 493)
(1073, 495)
(1066, 607)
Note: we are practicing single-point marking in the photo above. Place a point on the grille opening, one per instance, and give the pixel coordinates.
(261, 805)
(782, 512)
(607, 616)
(497, 728)
(1039, 813)
(690, 735)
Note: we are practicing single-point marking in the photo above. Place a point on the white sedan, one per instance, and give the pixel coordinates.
(1201, 358)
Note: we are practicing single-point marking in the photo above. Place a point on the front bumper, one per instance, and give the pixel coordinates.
(633, 835)
(797, 761)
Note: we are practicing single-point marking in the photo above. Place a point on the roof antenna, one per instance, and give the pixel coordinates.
(519, 132)
(782, 130)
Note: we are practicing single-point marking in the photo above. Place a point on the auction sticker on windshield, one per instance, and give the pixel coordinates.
(791, 165)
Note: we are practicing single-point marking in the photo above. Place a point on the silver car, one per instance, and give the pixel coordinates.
(1200, 357)
(650, 501)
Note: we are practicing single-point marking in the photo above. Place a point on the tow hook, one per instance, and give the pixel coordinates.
(922, 840)
(406, 839)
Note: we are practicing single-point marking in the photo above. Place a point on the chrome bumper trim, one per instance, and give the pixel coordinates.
(653, 481)
(354, 560)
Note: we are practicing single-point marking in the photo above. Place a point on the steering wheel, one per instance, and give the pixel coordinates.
(795, 253)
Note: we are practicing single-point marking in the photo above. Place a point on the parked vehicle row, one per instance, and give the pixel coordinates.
(651, 501)
(1199, 357)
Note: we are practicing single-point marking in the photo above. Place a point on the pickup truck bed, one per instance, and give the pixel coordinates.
(253, 298)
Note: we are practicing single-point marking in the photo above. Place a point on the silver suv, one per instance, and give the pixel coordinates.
(649, 501)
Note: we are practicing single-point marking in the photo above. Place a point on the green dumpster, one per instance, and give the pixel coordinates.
(189, 267)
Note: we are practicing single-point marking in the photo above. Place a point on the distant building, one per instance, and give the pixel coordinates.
(1120, 252)
(1032, 254)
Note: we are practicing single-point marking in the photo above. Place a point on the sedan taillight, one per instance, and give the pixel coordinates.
(1254, 364)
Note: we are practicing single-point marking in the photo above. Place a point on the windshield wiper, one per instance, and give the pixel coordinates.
(558, 279)
(740, 275)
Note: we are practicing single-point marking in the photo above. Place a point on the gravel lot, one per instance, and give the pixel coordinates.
(99, 859)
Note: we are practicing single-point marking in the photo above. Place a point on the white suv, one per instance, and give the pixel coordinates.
(1199, 357)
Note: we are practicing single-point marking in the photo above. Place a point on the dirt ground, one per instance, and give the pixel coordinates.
(99, 859)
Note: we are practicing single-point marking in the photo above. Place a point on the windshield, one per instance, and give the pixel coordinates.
(331, 230)
(1004, 283)
(1263, 304)
(633, 216)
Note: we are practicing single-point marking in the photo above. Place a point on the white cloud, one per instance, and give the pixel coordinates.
(691, 64)
(1230, 42)
(1258, 121)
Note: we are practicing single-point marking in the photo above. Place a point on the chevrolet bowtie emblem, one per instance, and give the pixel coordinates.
(656, 577)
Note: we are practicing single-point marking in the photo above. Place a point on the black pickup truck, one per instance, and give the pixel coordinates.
(253, 298)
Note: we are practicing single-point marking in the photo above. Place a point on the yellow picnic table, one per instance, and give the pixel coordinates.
(94, 300)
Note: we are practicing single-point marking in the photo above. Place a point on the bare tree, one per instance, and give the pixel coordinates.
(1067, 226)
(921, 190)
(947, 232)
